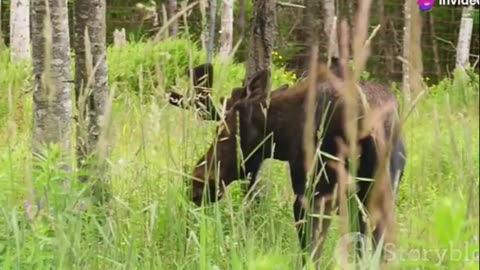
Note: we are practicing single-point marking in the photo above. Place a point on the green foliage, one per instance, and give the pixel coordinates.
(149, 68)
(464, 84)
(13, 88)
(142, 66)
(476, 16)
(150, 223)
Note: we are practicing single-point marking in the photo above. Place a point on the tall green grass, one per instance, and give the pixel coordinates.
(150, 223)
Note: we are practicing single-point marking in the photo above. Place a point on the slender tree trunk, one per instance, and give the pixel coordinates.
(330, 26)
(172, 10)
(436, 57)
(226, 36)
(261, 37)
(313, 22)
(412, 50)
(52, 104)
(317, 28)
(385, 45)
(416, 58)
(91, 96)
(406, 48)
(241, 17)
(212, 11)
(1, 34)
(19, 30)
(464, 38)
(202, 5)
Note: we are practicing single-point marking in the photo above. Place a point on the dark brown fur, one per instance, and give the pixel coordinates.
(282, 125)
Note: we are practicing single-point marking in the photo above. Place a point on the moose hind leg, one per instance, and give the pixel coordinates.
(312, 228)
(397, 164)
(368, 165)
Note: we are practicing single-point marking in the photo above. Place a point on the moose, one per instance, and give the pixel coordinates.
(251, 128)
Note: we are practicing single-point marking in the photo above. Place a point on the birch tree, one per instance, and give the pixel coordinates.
(91, 81)
(202, 6)
(330, 26)
(19, 30)
(172, 10)
(226, 35)
(261, 37)
(406, 45)
(464, 38)
(412, 51)
(52, 105)
(212, 14)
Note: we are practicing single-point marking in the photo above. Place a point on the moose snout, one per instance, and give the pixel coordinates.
(200, 190)
(197, 196)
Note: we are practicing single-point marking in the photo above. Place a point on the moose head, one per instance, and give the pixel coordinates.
(238, 134)
(243, 108)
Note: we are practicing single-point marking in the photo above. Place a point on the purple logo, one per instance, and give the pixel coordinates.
(425, 4)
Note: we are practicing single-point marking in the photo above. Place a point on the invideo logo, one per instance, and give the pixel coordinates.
(425, 4)
(428, 4)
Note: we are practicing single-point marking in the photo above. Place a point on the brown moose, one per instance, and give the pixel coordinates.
(253, 128)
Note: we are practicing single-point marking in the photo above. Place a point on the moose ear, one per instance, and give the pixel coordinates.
(258, 84)
(202, 76)
(336, 67)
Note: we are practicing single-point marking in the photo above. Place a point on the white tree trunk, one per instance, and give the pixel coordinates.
(202, 5)
(412, 51)
(416, 58)
(406, 47)
(52, 104)
(464, 38)
(19, 30)
(92, 96)
(172, 10)
(330, 26)
(212, 11)
(226, 36)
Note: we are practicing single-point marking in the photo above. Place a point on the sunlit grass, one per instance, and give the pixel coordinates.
(152, 224)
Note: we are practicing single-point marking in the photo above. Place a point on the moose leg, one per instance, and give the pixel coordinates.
(397, 164)
(298, 178)
(366, 170)
(323, 207)
(320, 223)
(369, 163)
(312, 239)
(312, 229)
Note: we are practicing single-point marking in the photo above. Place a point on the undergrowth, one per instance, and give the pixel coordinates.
(151, 224)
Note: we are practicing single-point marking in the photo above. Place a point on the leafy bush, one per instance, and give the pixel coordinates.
(134, 66)
(462, 88)
(147, 66)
